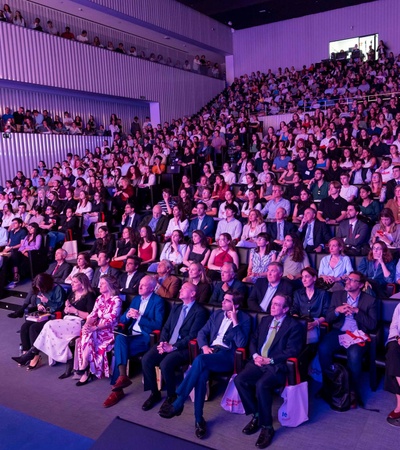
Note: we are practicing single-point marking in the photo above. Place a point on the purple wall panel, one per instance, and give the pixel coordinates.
(306, 40)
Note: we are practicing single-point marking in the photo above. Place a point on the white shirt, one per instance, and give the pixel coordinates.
(142, 308)
(225, 324)
(234, 228)
(348, 192)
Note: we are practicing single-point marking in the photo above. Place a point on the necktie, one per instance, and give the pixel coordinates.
(270, 340)
(307, 237)
(55, 269)
(350, 231)
(175, 334)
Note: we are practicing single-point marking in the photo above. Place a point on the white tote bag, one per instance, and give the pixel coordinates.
(231, 400)
(294, 409)
(71, 247)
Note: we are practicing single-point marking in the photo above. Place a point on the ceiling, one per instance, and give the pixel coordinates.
(240, 14)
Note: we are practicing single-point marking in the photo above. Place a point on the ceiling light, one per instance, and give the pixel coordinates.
(262, 11)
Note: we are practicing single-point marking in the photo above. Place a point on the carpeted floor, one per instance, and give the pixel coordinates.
(79, 409)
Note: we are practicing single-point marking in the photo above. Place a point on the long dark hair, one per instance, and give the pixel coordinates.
(298, 250)
(150, 236)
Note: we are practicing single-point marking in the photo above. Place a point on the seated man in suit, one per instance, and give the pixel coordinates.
(129, 280)
(277, 338)
(314, 233)
(157, 221)
(59, 269)
(102, 269)
(228, 283)
(144, 315)
(266, 288)
(350, 310)
(167, 285)
(183, 323)
(202, 222)
(354, 232)
(279, 229)
(226, 330)
(130, 218)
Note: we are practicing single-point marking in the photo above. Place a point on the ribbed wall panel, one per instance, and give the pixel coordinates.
(306, 40)
(23, 151)
(58, 102)
(31, 10)
(177, 18)
(62, 63)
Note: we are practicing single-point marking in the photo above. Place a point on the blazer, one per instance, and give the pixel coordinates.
(63, 271)
(170, 287)
(218, 293)
(133, 287)
(161, 226)
(288, 341)
(260, 288)
(390, 186)
(360, 233)
(366, 318)
(96, 276)
(196, 318)
(207, 226)
(152, 318)
(234, 337)
(288, 228)
(321, 233)
(132, 223)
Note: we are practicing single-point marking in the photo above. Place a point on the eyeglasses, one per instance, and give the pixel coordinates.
(353, 280)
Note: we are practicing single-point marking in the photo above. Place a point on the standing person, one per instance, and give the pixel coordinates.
(277, 338)
(349, 310)
(226, 330)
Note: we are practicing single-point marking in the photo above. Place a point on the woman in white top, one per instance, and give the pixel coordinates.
(83, 206)
(177, 222)
(82, 266)
(173, 251)
(254, 226)
(8, 215)
(252, 203)
(335, 267)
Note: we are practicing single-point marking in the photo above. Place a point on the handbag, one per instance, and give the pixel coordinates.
(231, 400)
(71, 247)
(294, 410)
(38, 316)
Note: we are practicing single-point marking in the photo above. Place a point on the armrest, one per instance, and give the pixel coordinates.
(293, 371)
(240, 357)
(193, 350)
(154, 337)
(391, 289)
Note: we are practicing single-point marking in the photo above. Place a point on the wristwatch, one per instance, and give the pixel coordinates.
(271, 361)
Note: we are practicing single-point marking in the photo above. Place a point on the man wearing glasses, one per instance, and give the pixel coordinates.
(276, 202)
(350, 310)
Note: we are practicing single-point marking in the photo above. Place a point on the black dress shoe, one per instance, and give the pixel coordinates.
(169, 412)
(201, 428)
(154, 398)
(17, 314)
(24, 359)
(168, 401)
(265, 438)
(252, 427)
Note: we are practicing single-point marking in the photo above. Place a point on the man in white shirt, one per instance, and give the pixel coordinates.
(386, 169)
(229, 225)
(347, 191)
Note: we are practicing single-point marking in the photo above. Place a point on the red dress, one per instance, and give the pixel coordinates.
(222, 258)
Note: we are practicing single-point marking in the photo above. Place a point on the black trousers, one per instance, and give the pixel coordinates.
(29, 332)
(168, 362)
(256, 386)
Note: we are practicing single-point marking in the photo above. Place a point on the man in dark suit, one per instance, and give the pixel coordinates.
(391, 184)
(228, 282)
(226, 330)
(167, 284)
(314, 233)
(266, 288)
(350, 310)
(130, 279)
(183, 323)
(279, 229)
(103, 268)
(145, 314)
(157, 221)
(130, 218)
(202, 222)
(277, 338)
(59, 269)
(354, 233)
